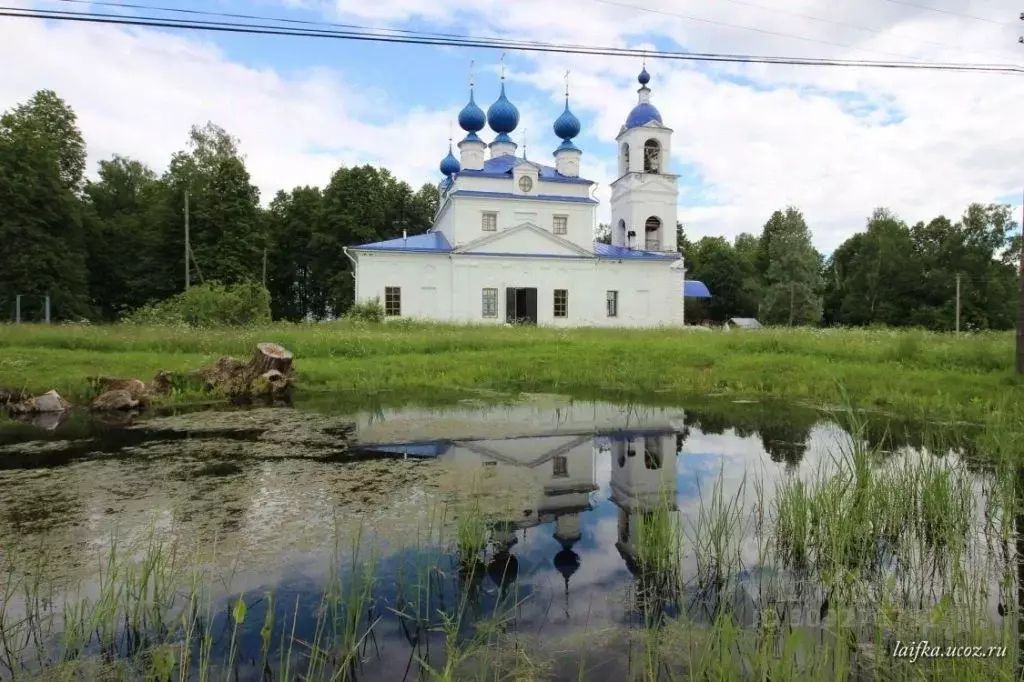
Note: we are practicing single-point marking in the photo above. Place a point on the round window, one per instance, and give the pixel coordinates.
(525, 184)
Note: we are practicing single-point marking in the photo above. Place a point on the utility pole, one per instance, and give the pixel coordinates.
(958, 304)
(1020, 295)
(188, 248)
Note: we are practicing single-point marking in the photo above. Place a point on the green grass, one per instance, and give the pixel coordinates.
(913, 373)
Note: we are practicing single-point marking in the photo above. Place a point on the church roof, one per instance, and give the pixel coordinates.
(431, 242)
(533, 197)
(435, 242)
(602, 250)
(501, 167)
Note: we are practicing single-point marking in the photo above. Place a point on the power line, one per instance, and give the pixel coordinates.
(306, 22)
(753, 29)
(363, 34)
(949, 12)
(843, 24)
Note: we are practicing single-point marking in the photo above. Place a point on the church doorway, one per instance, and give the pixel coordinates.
(520, 306)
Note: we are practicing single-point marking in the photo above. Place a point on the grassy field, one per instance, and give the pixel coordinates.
(912, 373)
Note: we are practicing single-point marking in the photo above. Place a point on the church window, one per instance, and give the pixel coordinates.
(625, 159)
(561, 225)
(560, 467)
(392, 301)
(613, 304)
(652, 234)
(561, 303)
(525, 183)
(490, 303)
(489, 222)
(652, 156)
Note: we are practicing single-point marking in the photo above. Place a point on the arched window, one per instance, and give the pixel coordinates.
(619, 238)
(652, 156)
(652, 230)
(624, 159)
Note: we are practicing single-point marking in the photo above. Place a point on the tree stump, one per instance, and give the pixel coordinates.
(116, 399)
(269, 357)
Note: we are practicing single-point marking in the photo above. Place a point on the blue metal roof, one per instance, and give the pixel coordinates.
(431, 242)
(501, 167)
(695, 289)
(642, 113)
(603, 250)
(529, 197)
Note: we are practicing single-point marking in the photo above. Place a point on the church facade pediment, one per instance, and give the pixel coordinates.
(525, 239)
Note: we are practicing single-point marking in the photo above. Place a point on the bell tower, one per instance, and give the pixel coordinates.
(645, 195)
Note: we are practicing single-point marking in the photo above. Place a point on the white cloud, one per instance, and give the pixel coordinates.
(792, 139)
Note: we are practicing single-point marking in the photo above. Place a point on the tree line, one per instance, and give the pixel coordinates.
(103, 247)
(891, 273)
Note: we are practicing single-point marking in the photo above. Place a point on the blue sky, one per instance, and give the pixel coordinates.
(749, 139)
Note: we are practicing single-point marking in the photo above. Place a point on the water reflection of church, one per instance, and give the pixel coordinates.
(565, 468)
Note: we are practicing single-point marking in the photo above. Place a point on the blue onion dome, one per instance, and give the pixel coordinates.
(502, 116)
(472, 118)
(567, 126)
(644, 77)
(449, 164)
(642, 114)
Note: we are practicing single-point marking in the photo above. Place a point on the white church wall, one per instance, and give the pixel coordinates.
(439, 287)
(423, 279)
(506, 184)
(468, 218)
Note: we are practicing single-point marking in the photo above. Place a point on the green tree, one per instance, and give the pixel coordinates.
(226, 225)
(872, 277)
(292, 221)
(41, 162)
(122, 223)
(792, 271)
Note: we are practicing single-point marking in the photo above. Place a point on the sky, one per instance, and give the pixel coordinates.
(748, 139)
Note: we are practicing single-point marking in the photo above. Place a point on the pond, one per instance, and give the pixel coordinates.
(540, 539)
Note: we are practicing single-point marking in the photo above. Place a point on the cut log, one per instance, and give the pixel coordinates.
(135, 387)
(269, 356)
(46, 403)
(118, 399)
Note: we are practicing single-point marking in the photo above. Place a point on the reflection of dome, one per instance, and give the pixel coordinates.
(567, 562)
(503, 569)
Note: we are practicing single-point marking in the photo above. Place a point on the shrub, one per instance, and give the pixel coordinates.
(367, 311)
(209, 305)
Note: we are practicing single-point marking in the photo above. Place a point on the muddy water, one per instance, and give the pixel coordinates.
(272, 500)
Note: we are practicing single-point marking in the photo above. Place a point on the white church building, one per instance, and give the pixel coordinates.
(513, 239)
